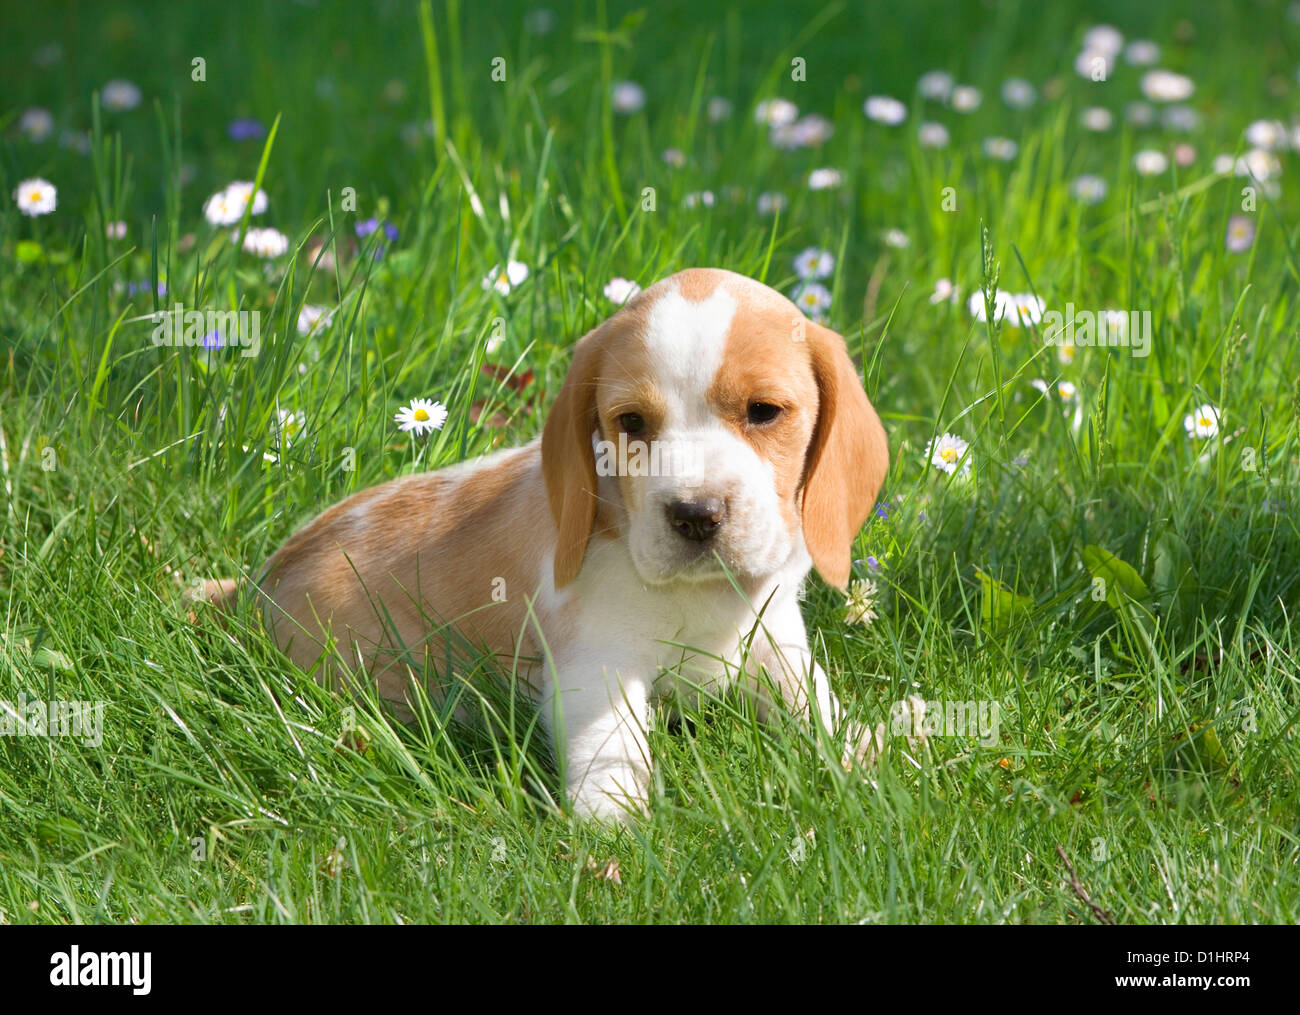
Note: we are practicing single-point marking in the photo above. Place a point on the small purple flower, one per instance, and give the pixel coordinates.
(1020, 461)
(137, 288)
(882, 510)
(212, 340)
(873, 564)
(368, 226)
(246, 128)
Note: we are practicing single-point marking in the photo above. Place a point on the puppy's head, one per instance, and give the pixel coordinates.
(716, 423)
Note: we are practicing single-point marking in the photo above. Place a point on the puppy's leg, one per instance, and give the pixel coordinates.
(598, 723)
(792, 679)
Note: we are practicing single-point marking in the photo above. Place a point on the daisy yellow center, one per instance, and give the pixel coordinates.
(1206, 421)
(36, 195)
(420, 415)
(948, 454)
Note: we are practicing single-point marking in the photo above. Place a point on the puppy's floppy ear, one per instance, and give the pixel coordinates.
(847, 459)
(568, 462)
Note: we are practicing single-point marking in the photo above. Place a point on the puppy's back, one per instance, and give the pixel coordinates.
(390, 571)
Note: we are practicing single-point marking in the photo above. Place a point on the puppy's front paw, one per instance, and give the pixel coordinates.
(864, 746)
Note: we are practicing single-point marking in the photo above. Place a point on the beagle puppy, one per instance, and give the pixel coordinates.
(709, 446)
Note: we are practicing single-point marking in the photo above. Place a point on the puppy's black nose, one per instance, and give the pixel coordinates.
(697, 520)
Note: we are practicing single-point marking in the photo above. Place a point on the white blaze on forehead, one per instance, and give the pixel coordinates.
(685, 340)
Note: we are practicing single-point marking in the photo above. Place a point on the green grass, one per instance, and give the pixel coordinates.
(228, 786)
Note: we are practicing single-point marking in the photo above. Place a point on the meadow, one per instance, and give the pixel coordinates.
(1093, 542)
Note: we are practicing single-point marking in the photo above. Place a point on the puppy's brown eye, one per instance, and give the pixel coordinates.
(763, 412)
(632, 423)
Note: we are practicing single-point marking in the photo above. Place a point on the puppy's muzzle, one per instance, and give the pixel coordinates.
(697, 520)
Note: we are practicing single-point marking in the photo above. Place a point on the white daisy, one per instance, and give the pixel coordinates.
(776, 112)
(1202, 422)
(288, 426)
(945, 292)
(1066, 391)
(814, 263)
(718, 109)
(503, 281)
(932, 135)
(1139, 114)
(1142, 53)
(226, 207)
(700, 199)
(824, 179)
(811, 130)
(1240, 235)
(36, 124)
(36, 197)
(860, 606)
(265, 242)
(627, 97)
(1004, 307)
(1258, 163)
(1166, 86)
(1115, 322)
(1025, 309)
(119, 96)
(895, 238)
(619, 290)
(115, 230)
(966, 98)
(885, 109)
(674, 157)
(947, 452)
(422, 416)
(1181, 118)
(312, 318)
(1002, 149)
(770, 202)
(1270, 135)
(784, 137)
(1088, 188)
(241, 191)
(1018, 93)
(935, 85)
(1104, 38)
(1150, 162)
(1097, 118)
(813, 298)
